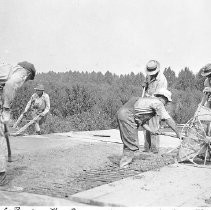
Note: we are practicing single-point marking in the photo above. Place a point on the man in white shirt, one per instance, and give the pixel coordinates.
(155, 80)
(137, 112)
(39, 104)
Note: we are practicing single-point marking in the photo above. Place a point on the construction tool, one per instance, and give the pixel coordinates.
(168, 134)
(26, 126)
(101, 135)
(18, 121)
(6, 135)
(143, 92)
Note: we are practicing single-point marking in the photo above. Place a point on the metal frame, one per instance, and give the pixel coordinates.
(193, 132)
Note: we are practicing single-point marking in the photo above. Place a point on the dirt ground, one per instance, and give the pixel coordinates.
(60, 172)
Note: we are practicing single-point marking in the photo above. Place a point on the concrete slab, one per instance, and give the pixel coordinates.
(185, 186)
(29, 199)
(30, 144)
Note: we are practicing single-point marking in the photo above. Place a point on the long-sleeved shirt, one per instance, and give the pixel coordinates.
(41, 104)
(11, 77)
(145, 108)
(155, 84)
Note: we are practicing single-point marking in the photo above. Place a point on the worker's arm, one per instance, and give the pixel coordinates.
(47, 108)
(145, 84)
(173, 126)
(204, 99)
(28, 105)
(163, 114)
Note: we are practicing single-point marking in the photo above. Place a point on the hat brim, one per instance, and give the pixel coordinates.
(152, 72)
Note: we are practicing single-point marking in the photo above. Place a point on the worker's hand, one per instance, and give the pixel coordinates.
(5, 116)
(42, 114)
(178, 135)
(145, 85)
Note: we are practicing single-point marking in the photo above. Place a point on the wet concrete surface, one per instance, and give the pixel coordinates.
(61, 165)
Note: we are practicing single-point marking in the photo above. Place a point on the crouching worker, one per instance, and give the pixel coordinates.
(11, 78)
(137, 112)
(39, 104)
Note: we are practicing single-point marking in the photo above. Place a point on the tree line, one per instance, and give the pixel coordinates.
(89, 101)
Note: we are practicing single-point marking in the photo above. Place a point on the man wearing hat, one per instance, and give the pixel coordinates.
(155, 80)
(11, 78)
(39, 104)
(206, 72)
(137, 112)
(206, 99)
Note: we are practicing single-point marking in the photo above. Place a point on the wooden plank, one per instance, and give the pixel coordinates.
(26, 126)
(18, 121)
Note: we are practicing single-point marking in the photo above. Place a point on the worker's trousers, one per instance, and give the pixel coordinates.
(2, 141)
(128, 126)
(2, 154)
(152, 142)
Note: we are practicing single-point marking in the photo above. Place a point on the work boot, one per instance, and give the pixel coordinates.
(3, 179)
(154, 150)
(126, 159)
(5, 117)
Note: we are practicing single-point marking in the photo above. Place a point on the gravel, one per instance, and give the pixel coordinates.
(62, 172)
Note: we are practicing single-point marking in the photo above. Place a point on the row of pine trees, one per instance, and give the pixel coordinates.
(89, 101)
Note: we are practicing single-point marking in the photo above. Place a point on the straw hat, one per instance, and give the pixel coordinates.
(206, 70)
(39, 87)
(152, 67)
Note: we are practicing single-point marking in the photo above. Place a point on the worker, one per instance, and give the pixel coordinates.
(39, 104)
(11, 78)
(155, 80)
(137, 112)
(206, 99)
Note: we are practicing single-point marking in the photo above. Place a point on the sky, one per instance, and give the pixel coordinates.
(119, 36)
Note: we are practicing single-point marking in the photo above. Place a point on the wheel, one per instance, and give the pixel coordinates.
(195, 145)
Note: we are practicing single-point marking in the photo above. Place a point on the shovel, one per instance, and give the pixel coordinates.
(18, 121)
